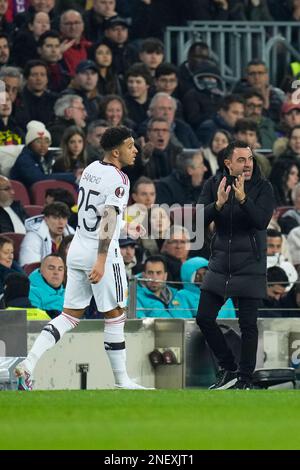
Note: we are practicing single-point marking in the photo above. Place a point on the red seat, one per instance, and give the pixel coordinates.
(21, 193)
(17, 239)
(28, 268)
(33, 209)
(38, 190)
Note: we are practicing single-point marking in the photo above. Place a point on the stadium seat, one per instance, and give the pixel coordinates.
(38, 190)
(28, 268)
(17, 239)
(21, 193)
(33, 209)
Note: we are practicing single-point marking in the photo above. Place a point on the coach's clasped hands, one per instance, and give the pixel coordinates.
(223, 194)
(239, 188)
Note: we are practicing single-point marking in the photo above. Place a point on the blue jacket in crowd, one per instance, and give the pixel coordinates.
(43, 296)
(188, 297)
(155, 307)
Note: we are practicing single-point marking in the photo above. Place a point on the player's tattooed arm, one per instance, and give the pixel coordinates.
(107, 227)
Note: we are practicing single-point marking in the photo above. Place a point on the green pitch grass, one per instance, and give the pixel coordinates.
(160, 419)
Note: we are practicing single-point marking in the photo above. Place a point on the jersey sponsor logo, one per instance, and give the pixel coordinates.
(120, 191)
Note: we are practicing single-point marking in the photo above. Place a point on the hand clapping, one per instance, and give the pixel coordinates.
(238, 188)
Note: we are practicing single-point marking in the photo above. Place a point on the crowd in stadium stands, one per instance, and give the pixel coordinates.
(71, 70)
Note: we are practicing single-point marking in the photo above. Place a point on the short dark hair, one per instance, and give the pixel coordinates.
(271, 232)
(56, 255)
(235, 144)
(256, 62)
(141, 180)
(114, 136)
(97, 123)
(139, 69)
(252, 92)
(61, 195)
(166, 68)
(156, 259)
(277, 275)
(4, 239)
(48, 34)
(152, 45)
(246, 124)
(229, 99)
(57, 209)
(33, 63)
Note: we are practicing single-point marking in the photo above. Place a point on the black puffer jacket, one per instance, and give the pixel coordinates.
(237, 266)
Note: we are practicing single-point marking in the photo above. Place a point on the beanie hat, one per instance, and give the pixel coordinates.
(36, 130)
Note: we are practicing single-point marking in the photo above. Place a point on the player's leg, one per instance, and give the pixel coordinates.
(78, 294)
(111, 297)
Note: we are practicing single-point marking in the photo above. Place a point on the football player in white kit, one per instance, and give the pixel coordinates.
(95, 264)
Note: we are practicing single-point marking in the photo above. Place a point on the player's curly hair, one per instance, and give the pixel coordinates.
(114, 136)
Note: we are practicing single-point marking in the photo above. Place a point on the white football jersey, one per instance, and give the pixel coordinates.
(101, 184)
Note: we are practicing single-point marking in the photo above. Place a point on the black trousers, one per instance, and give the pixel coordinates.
(208, 309)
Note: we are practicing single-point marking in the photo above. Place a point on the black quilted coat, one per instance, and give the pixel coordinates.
(237, 266)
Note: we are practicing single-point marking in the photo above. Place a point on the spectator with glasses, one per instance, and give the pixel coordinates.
(75, 46)
(176, 251)
(162, 155)
(254, 109)
(257, 77)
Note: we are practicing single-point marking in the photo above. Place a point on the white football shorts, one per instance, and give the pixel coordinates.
(109, 293)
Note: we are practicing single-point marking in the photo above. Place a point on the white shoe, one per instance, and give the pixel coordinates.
(132, 386)
(24, 377)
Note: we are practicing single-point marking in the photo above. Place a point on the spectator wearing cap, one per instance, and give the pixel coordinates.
(132, 255)
(257, 77)
(45, 233)
(35, 162)
(116, 36)
(95, 17)
(75, 45)
(49, 50)
(84, 84)
(203, 100)
(290, 117)
(69, 111)
(36, 102)
(152, 53)
(254, 104)
(231, 109)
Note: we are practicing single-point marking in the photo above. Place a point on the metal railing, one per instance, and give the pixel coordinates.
(135, 281)
(234, 44)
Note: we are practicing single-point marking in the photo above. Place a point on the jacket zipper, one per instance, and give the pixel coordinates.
(229, 249)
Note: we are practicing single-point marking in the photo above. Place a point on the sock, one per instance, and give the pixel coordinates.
(114, 344)
(48, 337)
